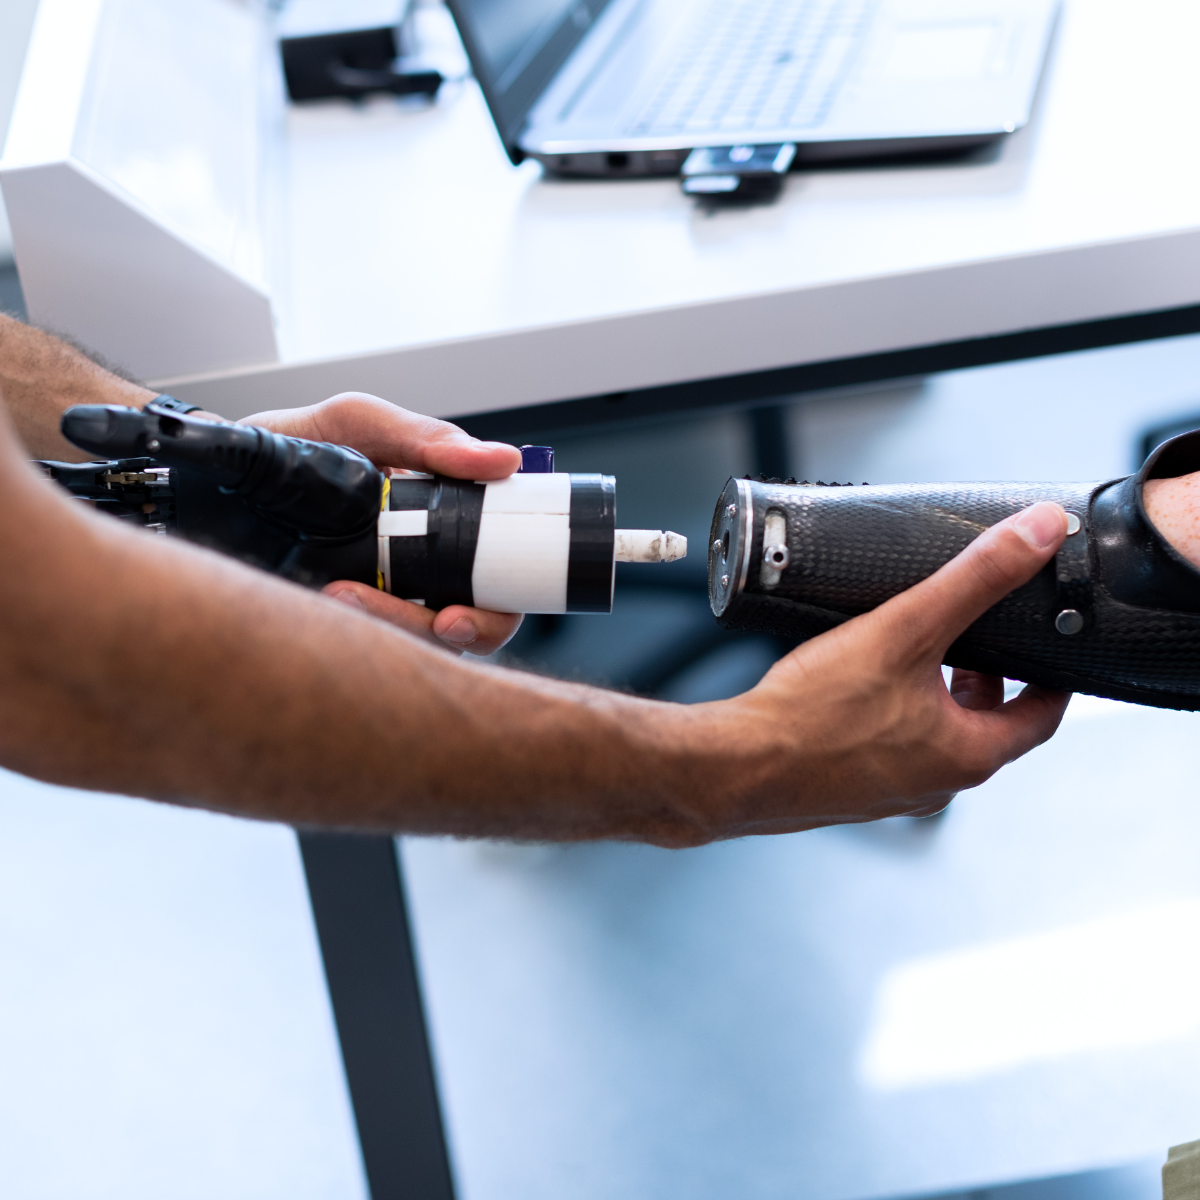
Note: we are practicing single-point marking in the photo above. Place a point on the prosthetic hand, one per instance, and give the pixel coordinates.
(539, 541)
(1116, 613)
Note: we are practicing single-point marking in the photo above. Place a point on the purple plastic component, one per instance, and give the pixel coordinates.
(536, 459)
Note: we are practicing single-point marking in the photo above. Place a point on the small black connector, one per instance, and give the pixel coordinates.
(353, 64)
(737, 174)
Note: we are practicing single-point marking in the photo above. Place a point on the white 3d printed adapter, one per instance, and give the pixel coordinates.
(538, 542)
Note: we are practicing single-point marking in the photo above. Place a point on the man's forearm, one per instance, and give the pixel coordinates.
(41, 376)
(141, 665)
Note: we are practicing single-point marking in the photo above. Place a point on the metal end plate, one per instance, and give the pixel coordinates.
(729, 544)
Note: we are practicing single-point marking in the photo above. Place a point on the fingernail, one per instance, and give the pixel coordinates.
(1042, 525)
(461, 633)
(350, 598)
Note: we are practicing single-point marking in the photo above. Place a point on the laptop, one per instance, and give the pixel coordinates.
(630, 87)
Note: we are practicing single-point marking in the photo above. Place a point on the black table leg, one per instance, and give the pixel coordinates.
(769, 438)
(358, 903)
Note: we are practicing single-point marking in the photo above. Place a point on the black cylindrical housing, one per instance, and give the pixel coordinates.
(542, 542)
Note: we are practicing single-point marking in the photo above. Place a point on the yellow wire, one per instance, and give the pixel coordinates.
(383, 507)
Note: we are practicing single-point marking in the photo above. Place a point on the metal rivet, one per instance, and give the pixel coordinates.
(776, 556)
(1074, 524)
(716, 546)
(1069, 621)
(154, 445)
(724, 581)
(731, 511)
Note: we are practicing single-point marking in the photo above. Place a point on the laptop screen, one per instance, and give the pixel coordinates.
(515, 48)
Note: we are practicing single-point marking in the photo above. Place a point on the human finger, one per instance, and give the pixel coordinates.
(475, 630)
(456, 628)
(1035, 713)
(929, 616)
(975, 690)
(404, 614)
(994, 738)
(391, 436)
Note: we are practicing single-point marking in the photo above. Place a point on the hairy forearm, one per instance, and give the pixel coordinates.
(41, 376)
(138, 664)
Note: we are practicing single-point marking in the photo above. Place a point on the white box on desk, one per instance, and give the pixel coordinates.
(138, 177)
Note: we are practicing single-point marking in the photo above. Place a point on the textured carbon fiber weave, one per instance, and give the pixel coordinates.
(852, 548)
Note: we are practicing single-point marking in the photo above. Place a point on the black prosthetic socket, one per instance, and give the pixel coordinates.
(437, 567)
(1116, 613)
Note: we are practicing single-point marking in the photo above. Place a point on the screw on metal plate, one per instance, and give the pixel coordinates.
(1069, 621)
(724, 581)
(718, 546)
(731, 511)
(1074, 524)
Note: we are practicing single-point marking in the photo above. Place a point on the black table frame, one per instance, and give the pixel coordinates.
(355, 881)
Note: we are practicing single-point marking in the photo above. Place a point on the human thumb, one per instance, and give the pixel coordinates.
(932, 614)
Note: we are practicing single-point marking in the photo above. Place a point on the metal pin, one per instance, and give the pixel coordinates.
(649, 545)
(1069, 621)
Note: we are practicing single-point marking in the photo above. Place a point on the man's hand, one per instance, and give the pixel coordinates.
(858, 724)
(393, 437)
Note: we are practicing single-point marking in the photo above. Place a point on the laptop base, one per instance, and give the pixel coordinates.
(644, 164)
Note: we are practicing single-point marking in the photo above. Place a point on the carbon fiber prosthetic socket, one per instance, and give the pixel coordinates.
(1116, 613)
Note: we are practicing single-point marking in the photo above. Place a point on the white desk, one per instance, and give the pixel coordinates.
(426, 268)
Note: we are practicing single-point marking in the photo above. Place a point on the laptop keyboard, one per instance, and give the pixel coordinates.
(747, 65)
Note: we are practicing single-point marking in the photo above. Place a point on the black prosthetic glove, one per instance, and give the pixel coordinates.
(1115, 613)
